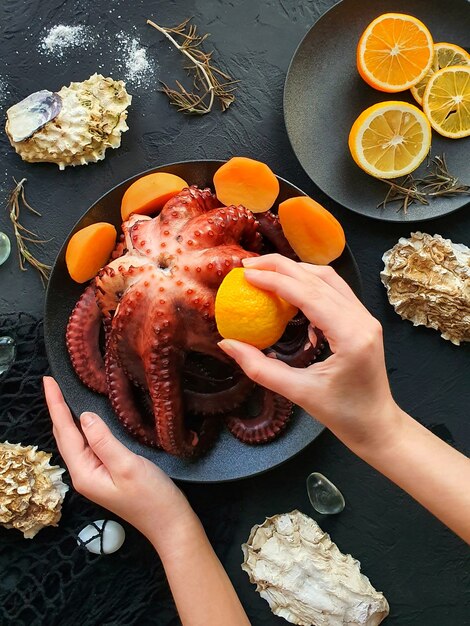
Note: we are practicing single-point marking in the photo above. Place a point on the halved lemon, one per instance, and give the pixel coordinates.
(394, 52)
(390, 139)
(446, 101)
(445, 54)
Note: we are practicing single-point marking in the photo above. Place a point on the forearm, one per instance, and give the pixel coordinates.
(202, 591)
(432, 472)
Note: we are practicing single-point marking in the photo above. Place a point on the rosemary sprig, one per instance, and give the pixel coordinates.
(209, 82)
(406, 193)
(22, 234)
(438, 182)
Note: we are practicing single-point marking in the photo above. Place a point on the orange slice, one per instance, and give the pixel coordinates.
(394, 52)
(446, 101)
(445, 54)
(390, 139)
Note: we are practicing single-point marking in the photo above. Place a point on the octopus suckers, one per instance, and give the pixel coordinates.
(166, 379)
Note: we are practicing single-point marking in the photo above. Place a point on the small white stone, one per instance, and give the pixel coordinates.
(103, 541)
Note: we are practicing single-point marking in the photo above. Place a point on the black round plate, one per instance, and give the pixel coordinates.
(229, 459)
(324, 94)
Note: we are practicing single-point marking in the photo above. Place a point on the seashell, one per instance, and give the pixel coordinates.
(305, 578)
(32, 113)
(428, 282)
(102, 537)
(31, 490)
(92, 118)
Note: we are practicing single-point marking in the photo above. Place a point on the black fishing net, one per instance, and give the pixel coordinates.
(50, 579)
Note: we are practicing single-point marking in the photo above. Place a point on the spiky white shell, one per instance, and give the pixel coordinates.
(305, 578)
(92, 119)
(31, 490)
(428, 282)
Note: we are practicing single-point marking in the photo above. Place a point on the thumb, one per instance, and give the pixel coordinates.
(111, 452)
(266, 371)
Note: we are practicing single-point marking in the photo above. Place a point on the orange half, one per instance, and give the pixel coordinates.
(394, 52)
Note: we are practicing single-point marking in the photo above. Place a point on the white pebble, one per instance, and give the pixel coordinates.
(103, 541)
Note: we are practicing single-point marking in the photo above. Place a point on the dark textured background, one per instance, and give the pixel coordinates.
(421, 567)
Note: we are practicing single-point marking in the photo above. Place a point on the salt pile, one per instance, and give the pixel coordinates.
(62, 37)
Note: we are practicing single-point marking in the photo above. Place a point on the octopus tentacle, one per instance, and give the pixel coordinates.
(164, 367)
(212, 403)
(215, 263)
(82, 339)
(121, 397)
(224, 225)
(117, 277)
(128, 326)
(188, 203)
(120, 248)
(298, 346)
(272, 419)
(271, 229)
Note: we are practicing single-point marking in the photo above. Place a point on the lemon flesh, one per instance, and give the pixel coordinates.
(390, 139)
(445, 55)
(446, 101)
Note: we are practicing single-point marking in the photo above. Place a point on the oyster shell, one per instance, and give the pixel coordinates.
(91, 119)
(31, 490)
(305, 578)
(428, 282)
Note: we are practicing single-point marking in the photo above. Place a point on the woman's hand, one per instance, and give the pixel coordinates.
(105, 471)
(349, 391)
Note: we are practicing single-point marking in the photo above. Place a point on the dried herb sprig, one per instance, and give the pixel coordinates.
(406, 193)
(439, 182)
(22, 234)
(209, 82)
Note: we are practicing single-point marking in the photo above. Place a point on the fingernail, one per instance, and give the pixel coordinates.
(252, 274)
(249, 260)
(87, 419)
(228, 346)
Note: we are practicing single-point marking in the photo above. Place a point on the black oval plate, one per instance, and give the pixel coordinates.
(229, 459)
(324, 94)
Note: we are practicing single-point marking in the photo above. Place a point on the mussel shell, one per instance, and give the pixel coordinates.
(31, 114)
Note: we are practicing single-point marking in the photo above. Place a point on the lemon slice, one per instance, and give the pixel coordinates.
(390, 139)
(445, 54)
(446, 101)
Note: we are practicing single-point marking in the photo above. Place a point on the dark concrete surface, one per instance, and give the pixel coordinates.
(423, 569)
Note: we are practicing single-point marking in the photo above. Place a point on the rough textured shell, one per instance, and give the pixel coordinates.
(31, 490)
(92, 119)
(428, 282)
(305, 578)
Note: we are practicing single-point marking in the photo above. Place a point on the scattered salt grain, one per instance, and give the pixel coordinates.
(4, 91)
(130, 58)
(134, 61)
(62, 37)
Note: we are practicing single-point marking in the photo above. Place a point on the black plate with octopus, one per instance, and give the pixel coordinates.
(226, 458)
